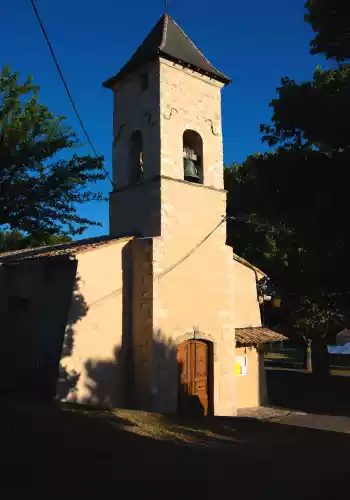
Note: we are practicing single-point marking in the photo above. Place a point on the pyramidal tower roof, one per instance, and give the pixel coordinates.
(169, 41)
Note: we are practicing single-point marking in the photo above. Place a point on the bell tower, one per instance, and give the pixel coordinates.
(167, 123)
(168, 176)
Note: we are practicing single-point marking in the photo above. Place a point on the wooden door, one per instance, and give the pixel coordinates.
(193, 362)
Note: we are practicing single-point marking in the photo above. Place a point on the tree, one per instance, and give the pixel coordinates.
(15, 240)
(282, 224)
(39, 188)
(291, 204)
(330, 20)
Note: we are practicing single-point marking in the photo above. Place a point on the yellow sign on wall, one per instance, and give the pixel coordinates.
(241, 366)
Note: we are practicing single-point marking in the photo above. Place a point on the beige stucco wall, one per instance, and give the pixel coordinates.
(193, 287)
(246, 305)
(251, 388)
(189, 100)
(91, 371)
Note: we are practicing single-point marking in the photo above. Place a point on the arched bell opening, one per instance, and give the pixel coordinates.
(193, 157)
(136, 158)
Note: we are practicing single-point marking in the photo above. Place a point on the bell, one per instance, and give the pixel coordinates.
(190, 170)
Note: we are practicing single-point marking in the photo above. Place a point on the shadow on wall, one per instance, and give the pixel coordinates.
(102, 380)
(168, 395)
(98, 381)
(68, 380)
(42, 304)
(107, 382)
(35, 301)
(146, 379)
(173, 390)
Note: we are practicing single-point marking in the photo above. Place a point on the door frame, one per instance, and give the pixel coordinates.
(210, 368)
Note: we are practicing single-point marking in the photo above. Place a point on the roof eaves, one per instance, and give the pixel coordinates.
(256, 335)
(109, 84)
(71, 248)
(248, 264)
(210, 74)
(215, 73)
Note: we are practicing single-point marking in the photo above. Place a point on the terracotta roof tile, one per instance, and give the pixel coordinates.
(71, 248)
(254, 335)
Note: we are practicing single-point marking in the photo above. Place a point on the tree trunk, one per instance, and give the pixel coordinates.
(319, 358)
(308, 357)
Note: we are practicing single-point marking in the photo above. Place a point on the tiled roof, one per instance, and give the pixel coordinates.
(254, 335)
(71, 248)
(168, 40)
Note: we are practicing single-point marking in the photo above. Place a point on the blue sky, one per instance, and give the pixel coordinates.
(253, 42)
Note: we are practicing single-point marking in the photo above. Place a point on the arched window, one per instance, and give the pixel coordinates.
(136, 158)
(193, 157)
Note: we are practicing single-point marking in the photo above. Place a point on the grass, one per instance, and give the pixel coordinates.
(293, 357)
(276, 355)
(65, 450)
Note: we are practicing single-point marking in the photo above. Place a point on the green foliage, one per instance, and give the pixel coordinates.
(290, 222)
(15, 240)
(312, 115)
(291, 204)
(39, 190)
(330, 19)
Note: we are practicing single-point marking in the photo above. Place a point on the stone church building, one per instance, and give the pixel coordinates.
(148, 316)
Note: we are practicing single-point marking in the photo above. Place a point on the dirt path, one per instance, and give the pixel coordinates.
(298, 418)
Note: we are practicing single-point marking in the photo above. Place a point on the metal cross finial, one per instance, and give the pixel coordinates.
(166, 6)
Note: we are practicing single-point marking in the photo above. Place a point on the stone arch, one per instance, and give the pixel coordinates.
(136, 157)
(198, 335)
(192, 146)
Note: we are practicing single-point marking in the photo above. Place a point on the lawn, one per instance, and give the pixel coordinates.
(294, 357)
(64, 450)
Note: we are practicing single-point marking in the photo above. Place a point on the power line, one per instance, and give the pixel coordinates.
(170, 268)
(68, 91)
(178, 262)
(182, 259)
(166, 271)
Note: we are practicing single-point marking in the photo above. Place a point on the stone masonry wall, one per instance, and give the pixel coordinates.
(142, 320)
(136, 109)
(189, 100)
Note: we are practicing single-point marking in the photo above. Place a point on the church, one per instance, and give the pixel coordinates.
(160, 314)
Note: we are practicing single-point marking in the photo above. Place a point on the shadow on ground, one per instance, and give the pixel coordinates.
(299, 390)
(66, 450)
